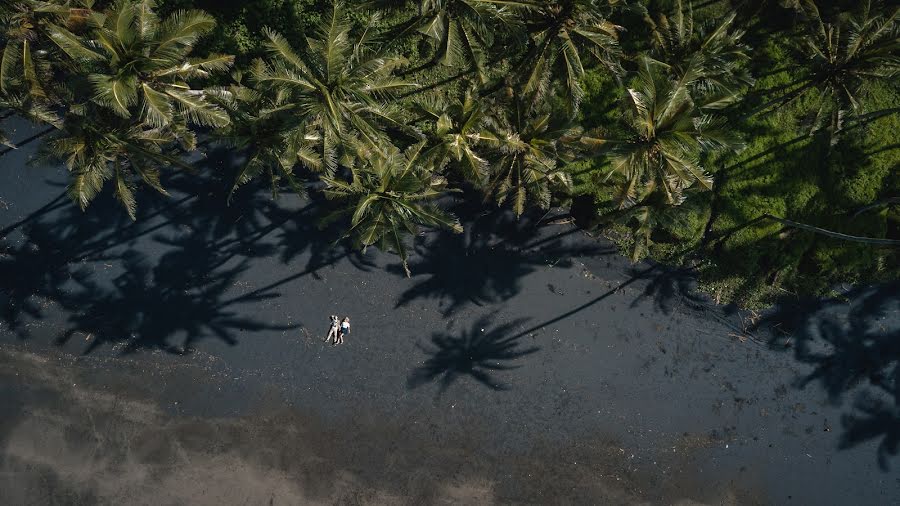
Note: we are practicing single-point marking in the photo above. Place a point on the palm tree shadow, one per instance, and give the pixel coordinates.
(477, 353)
(179, 265)
(41, 256)
(670, 288)
(300, 234)
(871, 419)
(487, 262)
(151, 304)
(852, 343)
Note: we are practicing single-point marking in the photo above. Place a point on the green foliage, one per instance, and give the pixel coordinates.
(463, 31)
(239, 25)
(340, 87)
(27, 86)
(457, 128)
(139, 65)
(783, 171)
(391, 104)
(665, 135)
(270, 131)
(568, 34)
(97, 150)
(389, 195)
(527, 153)
(847, 56)
(708, 58)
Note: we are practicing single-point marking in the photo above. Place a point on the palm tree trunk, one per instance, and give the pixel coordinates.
(829, 233)
(884, 202)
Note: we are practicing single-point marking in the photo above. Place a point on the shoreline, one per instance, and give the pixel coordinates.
(218, 310)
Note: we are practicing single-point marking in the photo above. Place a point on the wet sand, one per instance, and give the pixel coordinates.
(179, 360)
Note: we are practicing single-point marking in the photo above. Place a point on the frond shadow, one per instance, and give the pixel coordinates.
(164, 281)
(852, 343)
(487, 262)
(478, 353)
(149, 306)
(670, 288)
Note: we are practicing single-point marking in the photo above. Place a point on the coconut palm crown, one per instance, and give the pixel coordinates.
(847, 56)
(566, 33)
(390, 196)
(266, 126)
(98, 149)
(529, 148)
(458, 135)
(140, 65)
(128, 96)
(25, 59)
(340, 87)
(464, 31)
(665, 134)
(710, 58)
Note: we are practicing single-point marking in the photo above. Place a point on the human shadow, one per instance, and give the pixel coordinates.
(488, 261)
(852, 343)
(479, 353)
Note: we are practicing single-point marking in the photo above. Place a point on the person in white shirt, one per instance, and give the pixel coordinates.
(345, 329)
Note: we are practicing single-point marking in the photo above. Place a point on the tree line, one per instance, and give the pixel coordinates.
(393, 104)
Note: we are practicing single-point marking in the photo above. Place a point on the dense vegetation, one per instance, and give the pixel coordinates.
(750, 141)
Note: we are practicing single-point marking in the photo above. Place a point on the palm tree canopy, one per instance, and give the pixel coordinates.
(266, 126)
(97, 149)
(389, 197)
(709, 57)
(458, 129)
(24, 62)
(845, 56)
(141, 65)
(666, 134)
(528, 148)
(464, 30)
(570, 32)
(339, 85)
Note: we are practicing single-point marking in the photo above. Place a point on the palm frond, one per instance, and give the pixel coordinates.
(182, 29)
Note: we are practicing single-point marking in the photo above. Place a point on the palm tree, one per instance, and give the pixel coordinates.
(141, 66)
(457, 131)
(463, 31)
(528, 148)
(568, 31)
(27, 107)
(33, 77)
(266, 127)
(338, 85)
(103, 147)
(709, 58)
(847, 57)
(25, 61)
(389, 198)
(665, 136)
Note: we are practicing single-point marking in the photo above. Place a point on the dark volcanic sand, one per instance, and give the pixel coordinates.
(178, 360)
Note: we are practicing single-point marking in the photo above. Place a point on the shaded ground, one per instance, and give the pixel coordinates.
(178, 359)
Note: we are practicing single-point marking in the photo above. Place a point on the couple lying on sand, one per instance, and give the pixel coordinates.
(339, 329)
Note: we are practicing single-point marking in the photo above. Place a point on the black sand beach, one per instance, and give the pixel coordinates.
(179, 360)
